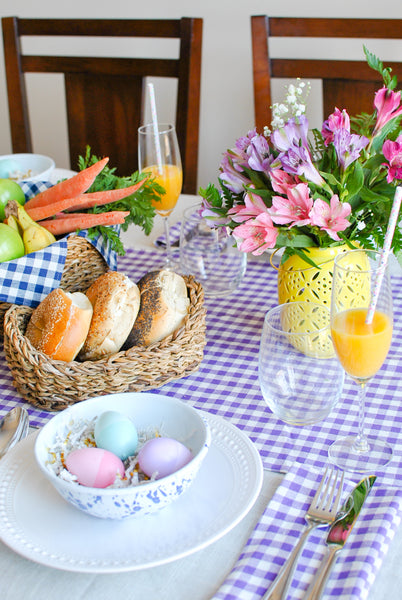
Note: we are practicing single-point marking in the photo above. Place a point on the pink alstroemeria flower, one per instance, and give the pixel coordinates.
(331, 217)
(295, 209)
(282, 181)
(253, 206)
(256, 235)
(337, 120)
(387, 104)
(393, 153)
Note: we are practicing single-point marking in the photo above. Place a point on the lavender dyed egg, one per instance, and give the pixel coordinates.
(94, 467)
(163, 456)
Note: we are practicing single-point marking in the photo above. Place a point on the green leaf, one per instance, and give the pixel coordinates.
(354, 180)
(212, 195)
(376, 64)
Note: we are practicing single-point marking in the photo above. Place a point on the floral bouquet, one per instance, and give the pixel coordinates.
(294, 189)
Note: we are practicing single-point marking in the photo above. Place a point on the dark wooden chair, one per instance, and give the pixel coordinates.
(346, 84)
(105, 96)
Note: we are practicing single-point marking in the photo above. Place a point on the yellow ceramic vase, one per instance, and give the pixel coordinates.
(299, 281)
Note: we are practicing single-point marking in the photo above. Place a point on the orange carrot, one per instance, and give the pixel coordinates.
(81, 202)
(69, 188)
(63, 225)
(90, 200)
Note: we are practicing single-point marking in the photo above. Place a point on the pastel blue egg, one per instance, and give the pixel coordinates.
(117, 433)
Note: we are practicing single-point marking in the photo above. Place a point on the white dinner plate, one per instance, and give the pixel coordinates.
(39, 525)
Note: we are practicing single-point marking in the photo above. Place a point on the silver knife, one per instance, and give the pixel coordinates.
(339, 533)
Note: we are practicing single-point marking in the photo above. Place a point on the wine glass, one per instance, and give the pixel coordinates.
(361, 345)
(159, 155)
(300, 378)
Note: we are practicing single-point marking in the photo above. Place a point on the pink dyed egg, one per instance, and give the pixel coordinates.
(163, 456)
(94, 467)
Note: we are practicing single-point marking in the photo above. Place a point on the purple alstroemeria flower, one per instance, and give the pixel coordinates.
(259, 154)
(348, 146)
(232, 174)
(243, 143)
(291, 134)
(297, 161)
(214, 220)
(234, 162)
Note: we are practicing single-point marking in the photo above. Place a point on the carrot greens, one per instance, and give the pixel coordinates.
(138, 205)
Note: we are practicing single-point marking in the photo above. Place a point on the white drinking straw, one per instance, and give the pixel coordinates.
(155, 126)
(385, 253)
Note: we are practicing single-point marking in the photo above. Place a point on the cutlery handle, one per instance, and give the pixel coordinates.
(317, 585)
(280, 586)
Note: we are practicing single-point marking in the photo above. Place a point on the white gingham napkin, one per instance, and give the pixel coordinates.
(281, 525)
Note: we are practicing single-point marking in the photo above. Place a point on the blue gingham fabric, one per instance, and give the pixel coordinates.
(27, 280)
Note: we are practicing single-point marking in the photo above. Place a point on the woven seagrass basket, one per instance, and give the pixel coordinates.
(54, 385)
(76, 274)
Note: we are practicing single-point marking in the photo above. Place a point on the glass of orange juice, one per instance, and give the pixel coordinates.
(159, 155)
(361, 338)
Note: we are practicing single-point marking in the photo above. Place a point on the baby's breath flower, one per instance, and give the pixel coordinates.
(294, 105)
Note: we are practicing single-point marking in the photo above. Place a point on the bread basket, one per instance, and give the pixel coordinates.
(54, 385)
(76, 275)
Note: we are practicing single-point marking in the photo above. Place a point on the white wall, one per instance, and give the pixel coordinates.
(227, 97)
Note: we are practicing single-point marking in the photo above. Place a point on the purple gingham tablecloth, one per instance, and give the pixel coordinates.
(280, 527)
(227, 380)
(227, 384)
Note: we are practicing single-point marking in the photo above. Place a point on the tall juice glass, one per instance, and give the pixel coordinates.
(361, 345)
(159, 155)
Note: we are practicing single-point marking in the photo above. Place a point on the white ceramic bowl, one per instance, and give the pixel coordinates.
(26, 167)
(171, 416)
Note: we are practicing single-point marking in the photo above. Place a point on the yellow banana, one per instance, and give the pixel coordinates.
(12, 222)
(35, 236)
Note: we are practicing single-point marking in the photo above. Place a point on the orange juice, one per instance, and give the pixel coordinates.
(171, 180)
(361, 348)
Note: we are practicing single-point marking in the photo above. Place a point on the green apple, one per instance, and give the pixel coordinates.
(11, 244)
(9, 190)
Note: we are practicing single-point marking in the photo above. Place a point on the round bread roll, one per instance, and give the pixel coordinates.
(116, 301)
(59, 324)
(164, 306)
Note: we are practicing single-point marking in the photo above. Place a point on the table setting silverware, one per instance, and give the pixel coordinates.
(322, 512)
(13, 428)
(339, 533)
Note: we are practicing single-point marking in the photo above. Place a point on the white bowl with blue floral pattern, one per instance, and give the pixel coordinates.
(175, 418)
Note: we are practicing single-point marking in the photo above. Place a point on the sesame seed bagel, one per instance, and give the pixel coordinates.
(115, 300)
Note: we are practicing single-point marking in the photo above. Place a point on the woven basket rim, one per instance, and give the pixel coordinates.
(195, 307)
(46, 382)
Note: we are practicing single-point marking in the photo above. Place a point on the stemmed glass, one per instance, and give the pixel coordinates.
(361, 346)
(159, 155)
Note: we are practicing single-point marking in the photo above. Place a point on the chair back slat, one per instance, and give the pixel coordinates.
(105, 95)
(346, 84)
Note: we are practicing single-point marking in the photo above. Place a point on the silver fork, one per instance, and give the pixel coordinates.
(322, 511)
